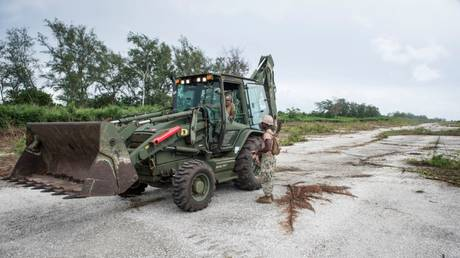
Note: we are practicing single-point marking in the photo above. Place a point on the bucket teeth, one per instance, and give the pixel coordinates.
(39, 187)
(74, 196)
(21, 181)
(47, 189)
(29, 184)
(59, 192)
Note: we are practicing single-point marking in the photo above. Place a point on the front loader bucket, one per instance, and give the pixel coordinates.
(78, 159)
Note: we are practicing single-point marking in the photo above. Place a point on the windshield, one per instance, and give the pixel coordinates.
(190, 95)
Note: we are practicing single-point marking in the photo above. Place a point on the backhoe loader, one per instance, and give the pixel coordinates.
(193, 147)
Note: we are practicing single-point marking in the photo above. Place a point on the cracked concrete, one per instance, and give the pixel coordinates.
(395, 214)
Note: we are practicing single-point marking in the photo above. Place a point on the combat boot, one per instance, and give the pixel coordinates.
(265, 199)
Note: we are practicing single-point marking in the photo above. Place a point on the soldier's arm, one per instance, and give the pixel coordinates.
(268, 146)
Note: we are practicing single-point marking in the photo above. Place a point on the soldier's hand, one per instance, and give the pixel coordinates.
(255, 157)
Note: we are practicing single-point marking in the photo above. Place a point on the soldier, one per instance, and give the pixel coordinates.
(230, 107)
(267, 162)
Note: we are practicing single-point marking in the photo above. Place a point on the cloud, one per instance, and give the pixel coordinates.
(363, 21)
(16, 6)
(392, 51)
(424, 73)
(427, 54)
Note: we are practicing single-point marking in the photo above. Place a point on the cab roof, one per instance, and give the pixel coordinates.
(224, 76)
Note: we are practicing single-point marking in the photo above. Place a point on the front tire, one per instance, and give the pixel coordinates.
(193, 185)
(245, 165)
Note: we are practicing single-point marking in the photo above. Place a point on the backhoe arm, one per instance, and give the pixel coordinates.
(264, 74)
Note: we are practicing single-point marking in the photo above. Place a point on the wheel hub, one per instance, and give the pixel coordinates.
(198, 186)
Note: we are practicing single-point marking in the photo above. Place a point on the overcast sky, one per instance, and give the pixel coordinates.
(396, 54)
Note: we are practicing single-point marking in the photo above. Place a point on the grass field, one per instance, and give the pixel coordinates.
(295, 131)
(19, 115)
(420, 131)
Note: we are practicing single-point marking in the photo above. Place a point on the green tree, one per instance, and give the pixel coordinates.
(324, 107)
(232, 63)
(151, 62)
(131, 92)
(111, 80)
(17, 63)
(189, 59)
(76, 63)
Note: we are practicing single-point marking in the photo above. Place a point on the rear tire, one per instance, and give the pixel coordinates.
(194, 185)
(245, 165)
(135, 190)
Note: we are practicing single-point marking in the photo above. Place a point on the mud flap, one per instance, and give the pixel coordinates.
(78, 159)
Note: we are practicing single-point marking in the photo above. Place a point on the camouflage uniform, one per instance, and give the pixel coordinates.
(267, 167)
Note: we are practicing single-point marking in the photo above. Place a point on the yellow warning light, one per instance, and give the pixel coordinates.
(177, 81)
(209, 77)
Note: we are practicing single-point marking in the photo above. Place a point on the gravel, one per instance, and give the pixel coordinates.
(395, 214)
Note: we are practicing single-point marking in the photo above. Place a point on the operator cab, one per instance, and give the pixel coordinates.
(209, 92)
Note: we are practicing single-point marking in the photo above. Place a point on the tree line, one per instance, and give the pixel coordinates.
(342, 107)
(331, 108)
(84, 72)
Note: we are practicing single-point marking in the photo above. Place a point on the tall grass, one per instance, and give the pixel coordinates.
(19, 115)
(419, 131)
(295, 131)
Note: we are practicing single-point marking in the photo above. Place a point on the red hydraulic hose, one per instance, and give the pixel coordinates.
(166, 135)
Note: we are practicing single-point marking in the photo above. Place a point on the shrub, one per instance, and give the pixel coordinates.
(19, 115)
(31, 96)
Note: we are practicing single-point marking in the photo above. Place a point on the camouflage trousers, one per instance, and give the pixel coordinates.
(267, 168)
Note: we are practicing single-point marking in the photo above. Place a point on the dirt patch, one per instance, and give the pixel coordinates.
(350, 176)
(329, 176)
(299, 197)
(9, 138)
(451, 176)
(7, 164)
(366, 161)
(287, 168)
(359, 175)
(136, 203)
(444, 167)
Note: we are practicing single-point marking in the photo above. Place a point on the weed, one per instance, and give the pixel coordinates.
(451, 123)
(438, 161)
(20, 145)
(439, 167)
(419, 131)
